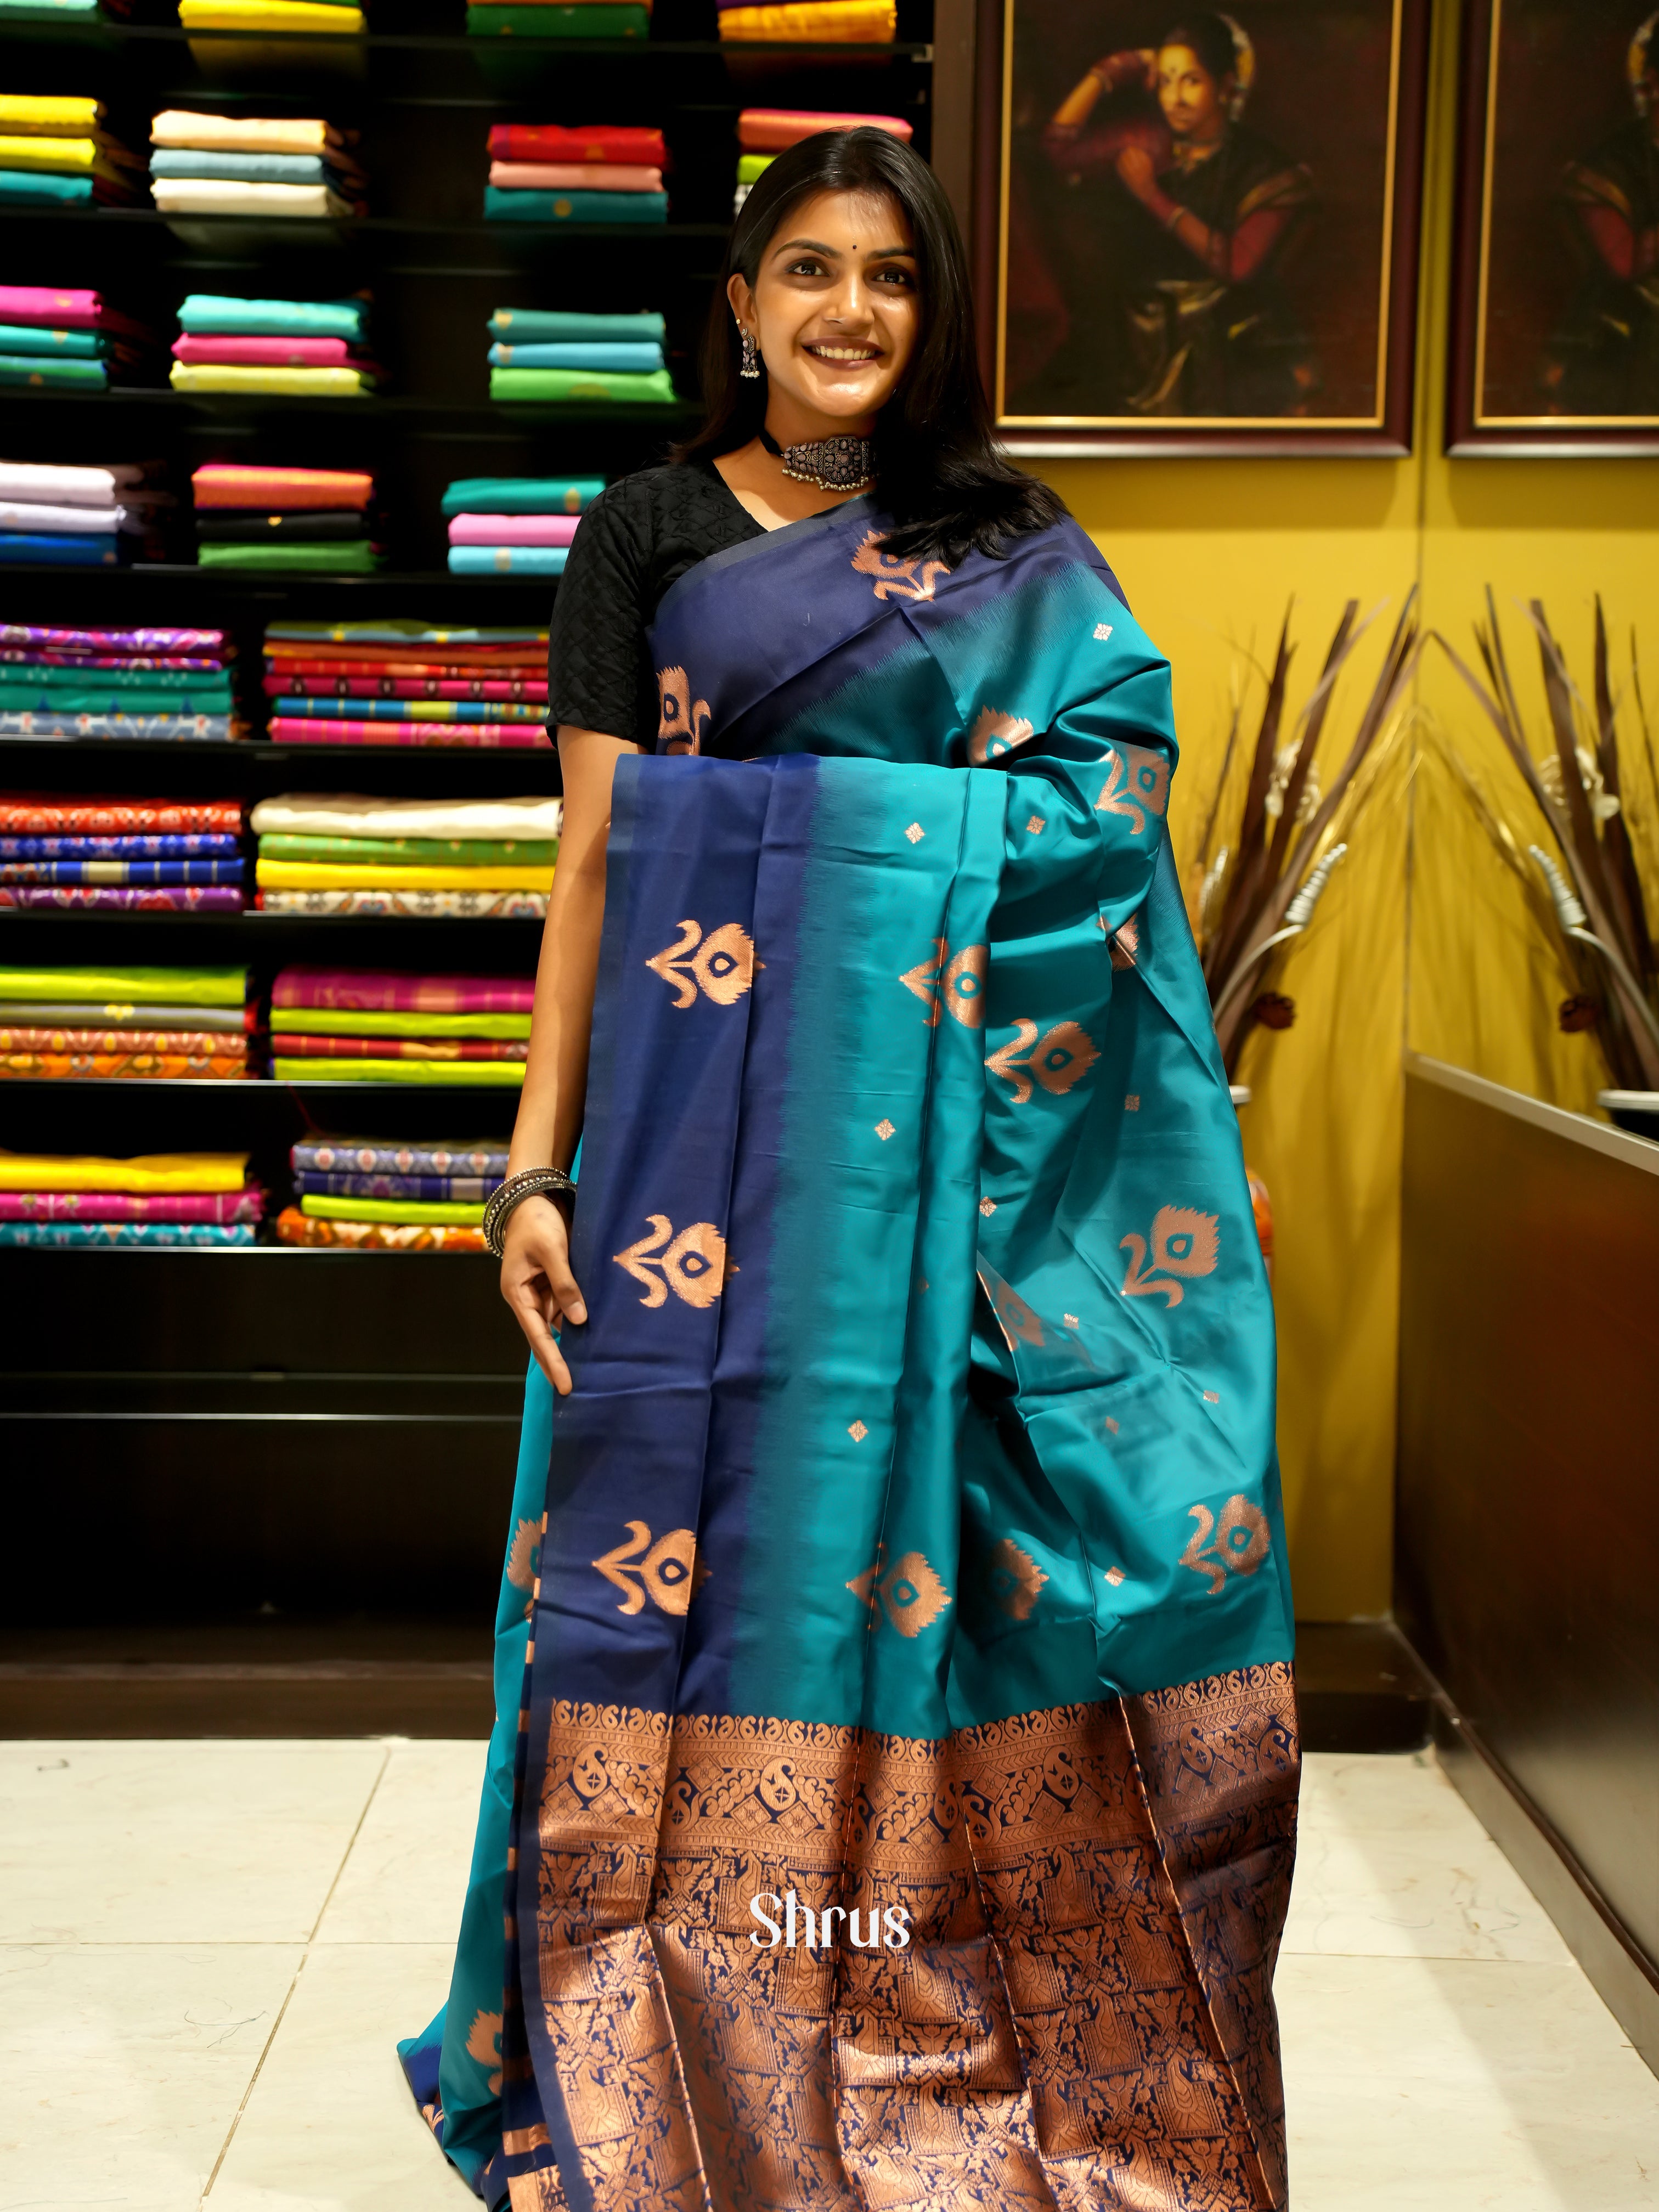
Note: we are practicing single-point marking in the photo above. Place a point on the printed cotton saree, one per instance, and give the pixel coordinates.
(910, 1551)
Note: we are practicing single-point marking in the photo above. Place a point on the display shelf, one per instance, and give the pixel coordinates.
(306, 231)
(287, 1505)
(784, 53)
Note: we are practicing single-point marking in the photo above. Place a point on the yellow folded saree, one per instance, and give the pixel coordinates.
(811, 22)
(49, 115)
(294, 383)
(148, 1172)
(270, 15)
(344, 875)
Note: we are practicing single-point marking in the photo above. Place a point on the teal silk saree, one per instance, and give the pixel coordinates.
(903, 1758)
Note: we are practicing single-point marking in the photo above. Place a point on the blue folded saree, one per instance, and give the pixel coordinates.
(897, 1802)
(507, 560)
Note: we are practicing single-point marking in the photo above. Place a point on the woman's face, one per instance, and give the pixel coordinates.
(1189, 96)
(835, 310)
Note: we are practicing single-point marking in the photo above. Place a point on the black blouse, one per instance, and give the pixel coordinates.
(640, 536)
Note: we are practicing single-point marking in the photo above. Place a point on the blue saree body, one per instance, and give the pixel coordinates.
(912, 1582)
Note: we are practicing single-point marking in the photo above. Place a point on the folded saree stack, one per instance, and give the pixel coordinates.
(403, 683)
(515, 525)
(578, 360)
(54, 340)
(559, 19)
(253, 165)
(336, 1025)
(169, 1024)
(481, 859)
(171, 856)
(371, 1196)
(57, 682)
(602, 172)
(311, 520)
(763, 133)
(56, 151)
(302, 349)
(203, 1199)
(79, 517)
(811, 23)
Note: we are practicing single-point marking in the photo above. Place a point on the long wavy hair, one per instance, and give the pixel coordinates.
(939, 472)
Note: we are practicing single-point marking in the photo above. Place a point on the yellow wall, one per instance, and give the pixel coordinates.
(1208, 553)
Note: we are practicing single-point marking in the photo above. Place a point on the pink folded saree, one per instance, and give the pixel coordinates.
(574, 177)
(294, 730)
(514, 529)
(269, 353)
(376, 990)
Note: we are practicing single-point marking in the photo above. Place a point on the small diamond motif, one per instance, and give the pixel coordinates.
(1115, 1576)
(1131, 1103)
(858, 1432)
(1071, 1320)
(1103, 631)
(922, 1282)
(1211, 1399)
(884, 1129)
(1036, 826)
(987, 1207)
(1111, 1426)
(915, 833)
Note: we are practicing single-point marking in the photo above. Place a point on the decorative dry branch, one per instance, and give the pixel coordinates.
(1264, 884)
(1589, 826)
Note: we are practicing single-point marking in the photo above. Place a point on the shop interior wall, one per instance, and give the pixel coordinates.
(1423, 938)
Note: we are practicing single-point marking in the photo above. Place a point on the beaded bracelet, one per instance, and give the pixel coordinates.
(530, 1182)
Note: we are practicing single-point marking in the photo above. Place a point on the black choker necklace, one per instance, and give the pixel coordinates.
(831, 463)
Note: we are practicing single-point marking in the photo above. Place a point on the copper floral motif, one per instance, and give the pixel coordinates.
(721, 965)
(1137, 784)
(953, 981)
(1184, 1243)
(1057, 1059)
(694, 1266)
(669, 1571)
(911, 1593)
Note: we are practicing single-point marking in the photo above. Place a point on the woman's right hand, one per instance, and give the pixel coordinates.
(537, 1284)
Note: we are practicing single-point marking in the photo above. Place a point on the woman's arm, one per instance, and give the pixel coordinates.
(1132, 67)
(536, 1278)
(1234, 255)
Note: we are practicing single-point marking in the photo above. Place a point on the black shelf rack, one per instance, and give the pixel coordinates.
(196, 1403)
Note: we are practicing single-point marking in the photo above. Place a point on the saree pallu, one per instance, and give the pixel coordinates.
(911, 1554)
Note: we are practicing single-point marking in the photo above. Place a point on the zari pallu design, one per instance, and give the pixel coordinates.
(912, 1577)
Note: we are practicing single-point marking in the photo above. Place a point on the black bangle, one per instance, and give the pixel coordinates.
(530, 1182)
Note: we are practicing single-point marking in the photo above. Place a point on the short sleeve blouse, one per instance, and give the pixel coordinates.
(640, 536)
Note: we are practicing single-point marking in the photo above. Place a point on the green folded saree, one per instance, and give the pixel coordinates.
(492, 1074)
(435, 1213)
(350, 557)
(171, 986)
(577, 386)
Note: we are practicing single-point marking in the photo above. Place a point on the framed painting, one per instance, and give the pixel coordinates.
(1555, 331)
(1204, 230)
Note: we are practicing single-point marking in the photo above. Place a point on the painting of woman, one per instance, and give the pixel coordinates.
(1201, 211)
(1605, 359)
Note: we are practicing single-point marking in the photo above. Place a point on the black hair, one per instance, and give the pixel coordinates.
(939, 470)
(1211, 38)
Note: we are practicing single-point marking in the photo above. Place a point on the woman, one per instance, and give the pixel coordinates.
(1605, 360)
(1203, 210)
(906, 1762)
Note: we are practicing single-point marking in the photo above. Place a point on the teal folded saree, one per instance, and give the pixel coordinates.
(903, 1761)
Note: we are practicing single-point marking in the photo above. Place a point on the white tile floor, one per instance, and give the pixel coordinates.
(209, 1950)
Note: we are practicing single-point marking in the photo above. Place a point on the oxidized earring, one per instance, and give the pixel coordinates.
(749, 364)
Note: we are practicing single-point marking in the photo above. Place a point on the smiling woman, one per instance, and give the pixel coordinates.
(884, 1545)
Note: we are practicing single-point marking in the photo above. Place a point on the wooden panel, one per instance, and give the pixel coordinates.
(1526, 1568)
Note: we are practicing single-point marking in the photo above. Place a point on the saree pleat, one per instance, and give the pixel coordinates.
(906, 1759)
